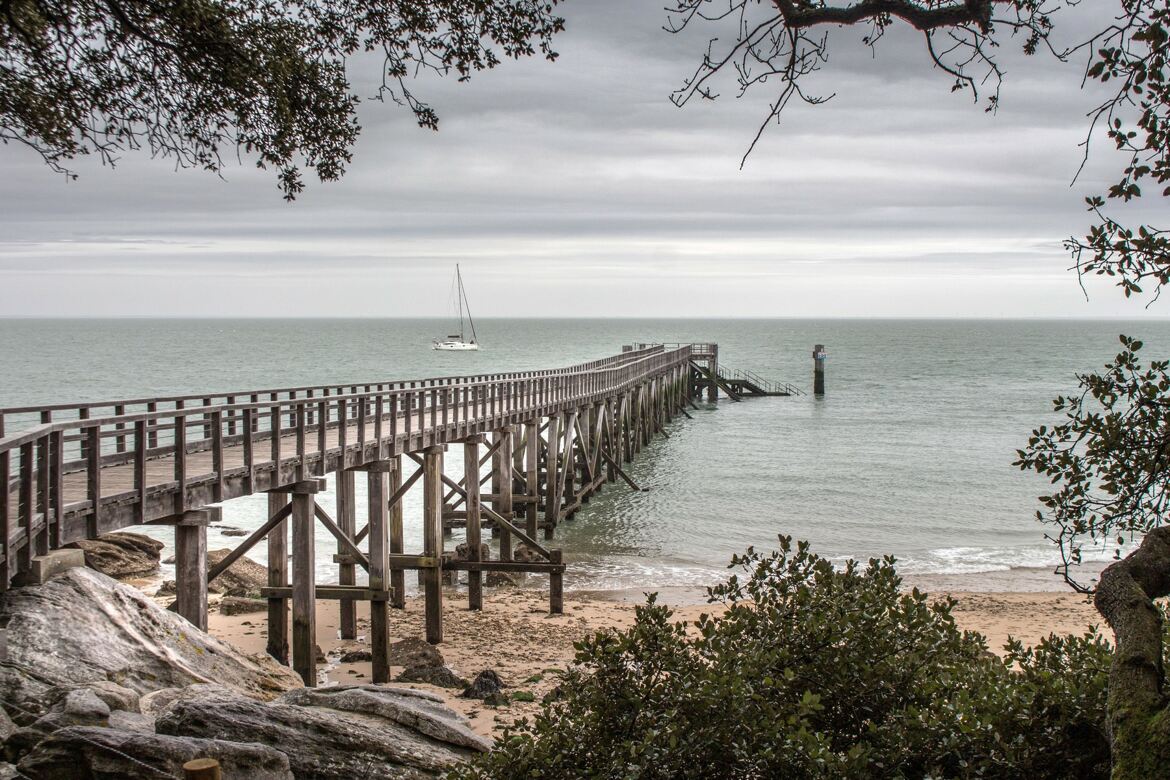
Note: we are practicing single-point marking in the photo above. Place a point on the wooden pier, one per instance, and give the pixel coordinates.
(541, 442)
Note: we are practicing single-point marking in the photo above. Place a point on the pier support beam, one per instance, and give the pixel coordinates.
(532, 477)
(502, 465)
(304, 587)
(278, 578)
(552, 496)
(376, 491)
(713, 366)
(191, 568)
(471, 504)
(346, 575)
(397, 576)
(433, 540)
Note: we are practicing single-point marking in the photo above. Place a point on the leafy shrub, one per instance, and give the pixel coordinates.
(813, 672)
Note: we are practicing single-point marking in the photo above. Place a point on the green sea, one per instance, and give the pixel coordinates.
(909, 453)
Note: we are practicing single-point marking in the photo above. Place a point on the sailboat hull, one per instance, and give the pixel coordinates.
(455, 346)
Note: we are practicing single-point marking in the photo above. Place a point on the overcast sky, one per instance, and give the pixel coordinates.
(576, 188)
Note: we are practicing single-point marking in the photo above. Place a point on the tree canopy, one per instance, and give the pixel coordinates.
(200, 80)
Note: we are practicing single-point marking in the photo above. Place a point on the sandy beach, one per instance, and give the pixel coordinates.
(515, 636)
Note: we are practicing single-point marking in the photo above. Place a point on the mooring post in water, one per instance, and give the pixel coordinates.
(819, 356)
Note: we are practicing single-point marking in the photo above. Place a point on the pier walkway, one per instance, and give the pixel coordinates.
(536, 445)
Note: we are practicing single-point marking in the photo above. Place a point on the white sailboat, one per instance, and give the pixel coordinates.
(459, 343)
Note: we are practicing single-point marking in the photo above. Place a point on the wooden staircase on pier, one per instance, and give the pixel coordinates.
(739, 384)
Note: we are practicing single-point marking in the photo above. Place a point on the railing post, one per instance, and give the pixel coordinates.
(181, 463)
(41, 537)
(93, 482)
(5, 521)
(217, 454)
(140, 447)
(152, 435)
(300, 423)
(274, 429)
(120, 440)
(231, 400)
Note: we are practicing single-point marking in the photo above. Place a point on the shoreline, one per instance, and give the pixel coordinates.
(516, 636)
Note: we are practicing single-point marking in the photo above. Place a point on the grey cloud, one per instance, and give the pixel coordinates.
(579, 179)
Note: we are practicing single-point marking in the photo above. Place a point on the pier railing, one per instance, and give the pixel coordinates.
(156, 458)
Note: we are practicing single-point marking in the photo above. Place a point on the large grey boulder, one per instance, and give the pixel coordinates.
(90, 753)
(82, 626)
(419, 710)
(243, 578)
(321, 743)
(6, 726)
(121, 555)
(440, 676)
(413, 652)
(80, 707)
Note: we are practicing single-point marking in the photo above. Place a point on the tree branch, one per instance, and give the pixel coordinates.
(923, 18)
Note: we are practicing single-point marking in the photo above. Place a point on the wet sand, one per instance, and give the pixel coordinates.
(515, 636)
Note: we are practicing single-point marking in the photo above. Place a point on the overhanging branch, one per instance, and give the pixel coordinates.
(976, 12)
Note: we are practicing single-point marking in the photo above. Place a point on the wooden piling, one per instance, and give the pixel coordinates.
(471, 488)
(433, 540)
(378, 510)
(346, 571)
(819, 357)
(552, 496)
(502, 502)
(202, 769)
(532, 477)
(304, 589)
(278, 578)
(397, 575)
(556, 585)
(713, 367)
(191, 570)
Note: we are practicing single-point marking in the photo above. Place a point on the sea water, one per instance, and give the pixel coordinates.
(909, 452)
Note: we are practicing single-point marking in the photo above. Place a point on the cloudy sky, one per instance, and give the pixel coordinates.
(577, 189)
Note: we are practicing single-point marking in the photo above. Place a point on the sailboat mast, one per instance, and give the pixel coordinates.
(463, 302)
(459, 280)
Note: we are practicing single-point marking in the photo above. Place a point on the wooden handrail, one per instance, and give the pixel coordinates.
(369, 422)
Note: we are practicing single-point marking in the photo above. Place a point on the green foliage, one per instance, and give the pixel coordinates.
(813, 672)
(195, 79)
(1132, 55)
(1110, 457)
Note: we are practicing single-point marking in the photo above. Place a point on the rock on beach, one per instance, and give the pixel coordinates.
(101, 682)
